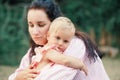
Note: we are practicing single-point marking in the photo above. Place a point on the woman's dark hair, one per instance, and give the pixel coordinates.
(52, 10)
(91, 48)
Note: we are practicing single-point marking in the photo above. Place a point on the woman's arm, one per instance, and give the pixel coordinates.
(23, 70)
(24, 63)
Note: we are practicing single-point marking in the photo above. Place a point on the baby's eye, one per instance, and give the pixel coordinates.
(57, 37)
(66, 41)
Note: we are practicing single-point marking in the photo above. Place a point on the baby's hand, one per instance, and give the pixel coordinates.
(42, 50)
(37, 50)
(84, 69)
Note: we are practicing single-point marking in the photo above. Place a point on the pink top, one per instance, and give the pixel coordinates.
(37, 58)
(77, 49)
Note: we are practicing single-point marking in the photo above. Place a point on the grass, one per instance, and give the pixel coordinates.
(111, 65)
(5, 71)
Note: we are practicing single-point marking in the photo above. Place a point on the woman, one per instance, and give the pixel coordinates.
(40, 15)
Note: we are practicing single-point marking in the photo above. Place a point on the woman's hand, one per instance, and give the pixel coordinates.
(27, 74)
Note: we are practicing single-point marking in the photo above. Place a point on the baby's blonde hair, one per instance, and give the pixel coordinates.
(62, 23)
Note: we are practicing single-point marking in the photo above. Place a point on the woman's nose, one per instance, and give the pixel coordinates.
(35, 30)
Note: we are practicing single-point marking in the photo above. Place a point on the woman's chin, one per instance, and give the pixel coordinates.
(40, 42)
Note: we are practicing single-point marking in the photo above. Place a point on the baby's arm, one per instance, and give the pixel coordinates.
(66, 60)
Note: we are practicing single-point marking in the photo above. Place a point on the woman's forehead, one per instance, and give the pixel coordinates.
(37, 14)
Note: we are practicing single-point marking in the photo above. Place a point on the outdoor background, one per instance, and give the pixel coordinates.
(98, 18)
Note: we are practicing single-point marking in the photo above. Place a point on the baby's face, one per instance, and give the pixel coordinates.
(60, 38)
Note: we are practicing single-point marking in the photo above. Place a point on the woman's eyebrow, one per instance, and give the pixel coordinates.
(41, 22)
(37, 22)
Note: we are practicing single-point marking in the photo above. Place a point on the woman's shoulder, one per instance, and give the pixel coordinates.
(25, 60)
(76, 48)
(77, 41)
(28, 52)
(26, 56)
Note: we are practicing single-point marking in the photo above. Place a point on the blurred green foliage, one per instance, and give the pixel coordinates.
(13, 34)
(98, 15)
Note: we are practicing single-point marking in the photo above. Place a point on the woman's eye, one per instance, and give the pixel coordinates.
(41, 25)
(31, 25)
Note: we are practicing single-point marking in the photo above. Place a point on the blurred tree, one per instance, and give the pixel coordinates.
(15, 2)
(99, 18)
(13, 33)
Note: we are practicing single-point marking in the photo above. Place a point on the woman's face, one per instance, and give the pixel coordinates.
(38, 25)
